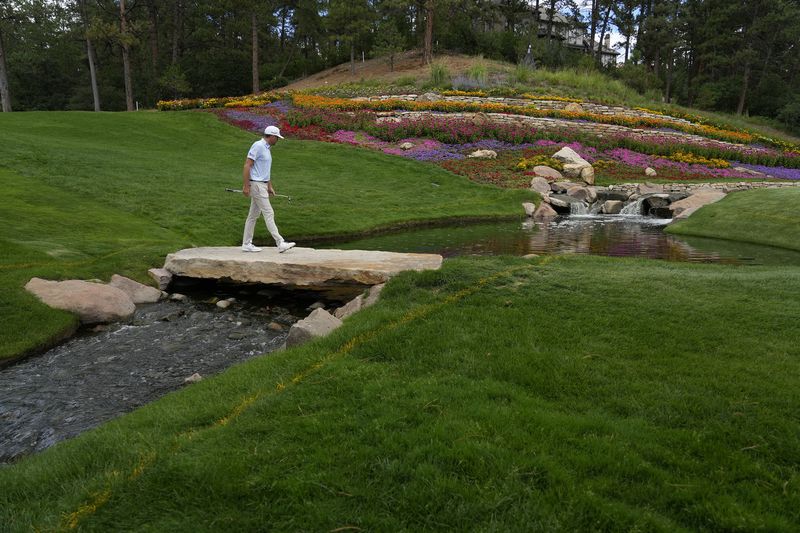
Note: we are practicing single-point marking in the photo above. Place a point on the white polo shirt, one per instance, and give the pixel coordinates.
(262, 161)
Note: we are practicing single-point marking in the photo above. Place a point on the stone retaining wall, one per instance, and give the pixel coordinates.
(593, 128)
(690, 188)
(588, 107)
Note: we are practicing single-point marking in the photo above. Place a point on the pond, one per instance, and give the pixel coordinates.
(609, 235)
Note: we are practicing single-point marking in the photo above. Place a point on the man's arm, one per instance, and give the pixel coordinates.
(248, 164)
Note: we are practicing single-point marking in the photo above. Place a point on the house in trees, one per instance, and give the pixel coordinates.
(569, 31)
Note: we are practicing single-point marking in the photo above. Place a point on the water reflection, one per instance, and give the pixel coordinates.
(618, 236)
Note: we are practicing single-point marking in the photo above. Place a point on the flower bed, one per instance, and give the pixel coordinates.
(344, 104)
(446, 141)
(250, 100)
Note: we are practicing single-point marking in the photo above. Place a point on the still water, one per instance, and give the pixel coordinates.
(613, 235)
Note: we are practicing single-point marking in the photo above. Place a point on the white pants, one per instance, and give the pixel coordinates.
(259, 204)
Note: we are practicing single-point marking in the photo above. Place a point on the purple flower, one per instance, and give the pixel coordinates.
(782, 173)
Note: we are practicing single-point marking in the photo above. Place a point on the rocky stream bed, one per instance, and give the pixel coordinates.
(111, 370)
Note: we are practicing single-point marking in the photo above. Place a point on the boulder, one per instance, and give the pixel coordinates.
(162, 277)
(550, 174)
(544, 212)
(428, 97)
(407, 146)
(138, 293)
(612, 207)
(570, 156)
(93, 302)
(649, 188)
(579, 193)
(300, 267)
(483, 154)
(373, 295)
(651, 172)
(573, 107)
(529, 208)
(540, 185)
(560, 187)
(318, 324)
(604, 193)
(573, 170)
(351, 307)
(560, 200)
(587, 175)
(687, 206)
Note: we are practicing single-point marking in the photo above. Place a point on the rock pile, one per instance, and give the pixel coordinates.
(94, 302)
(566, 197)
(320, 322)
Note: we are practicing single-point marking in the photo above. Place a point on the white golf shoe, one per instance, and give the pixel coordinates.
(282, 247)
(249, 247)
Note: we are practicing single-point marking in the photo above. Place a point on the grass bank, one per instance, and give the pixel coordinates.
(763, 216)
(495, 394)
(86, 195)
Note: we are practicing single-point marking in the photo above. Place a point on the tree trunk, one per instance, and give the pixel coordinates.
(627, 47)
(603, 34)
(352, 58)
(283, 27)
(91, 57)
(668, 76)
(177, 31)
(745, 83)
(593, 24)
(428, 45)
(550, 13)
(126, 60)
(254, 28)
(5, 93)
(643, 14)
(152, 12)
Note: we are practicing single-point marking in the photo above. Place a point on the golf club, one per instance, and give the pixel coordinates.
(289, 198)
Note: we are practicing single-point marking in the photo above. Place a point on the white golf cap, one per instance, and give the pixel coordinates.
(273, 130)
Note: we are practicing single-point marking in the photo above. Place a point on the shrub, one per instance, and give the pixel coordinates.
(790, 115)
(522, 74)
(639, 78)
(440, 76)
(406, 81)
(478, 73)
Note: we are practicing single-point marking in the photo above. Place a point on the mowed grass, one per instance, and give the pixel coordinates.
(87, 195)
(498, 394)
(763, 216)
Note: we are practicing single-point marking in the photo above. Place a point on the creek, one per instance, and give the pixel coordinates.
(609, 235)
(103, 373)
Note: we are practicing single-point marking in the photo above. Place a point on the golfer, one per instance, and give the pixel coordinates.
(257, 185)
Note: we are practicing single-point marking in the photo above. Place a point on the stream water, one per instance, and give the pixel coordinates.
(107, 371)
(610, 235)
(99, 375)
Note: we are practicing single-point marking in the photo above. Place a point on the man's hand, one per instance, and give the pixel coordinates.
(246, 189)
(270, 190)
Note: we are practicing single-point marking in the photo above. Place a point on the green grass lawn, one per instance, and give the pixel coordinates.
(87, 195)
(572, 394)
(764, 216)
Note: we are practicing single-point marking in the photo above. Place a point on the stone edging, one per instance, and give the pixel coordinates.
(600, 109)
(545, 123)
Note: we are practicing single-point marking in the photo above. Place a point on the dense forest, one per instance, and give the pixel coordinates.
(738, 56)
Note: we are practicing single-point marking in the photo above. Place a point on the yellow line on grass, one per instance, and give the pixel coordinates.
(72, 520)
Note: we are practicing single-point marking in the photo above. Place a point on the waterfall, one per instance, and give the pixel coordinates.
(578, 208)
(633, 208)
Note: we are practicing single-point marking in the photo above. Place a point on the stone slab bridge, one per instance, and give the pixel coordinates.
(298, 267)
